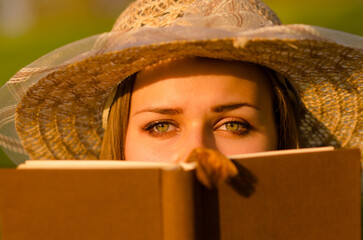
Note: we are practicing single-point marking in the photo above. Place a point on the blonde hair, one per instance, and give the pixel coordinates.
(284, 102)
(113, 147)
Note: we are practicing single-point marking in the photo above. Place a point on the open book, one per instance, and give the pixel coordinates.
(290, 194)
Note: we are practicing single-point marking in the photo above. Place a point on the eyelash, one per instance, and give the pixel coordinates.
(245, 126)
(150, 128)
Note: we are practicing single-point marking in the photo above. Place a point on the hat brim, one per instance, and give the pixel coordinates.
(61, 96)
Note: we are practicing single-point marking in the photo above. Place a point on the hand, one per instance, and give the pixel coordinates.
(212, 168)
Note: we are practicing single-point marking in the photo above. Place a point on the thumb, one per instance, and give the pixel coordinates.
(212, 168)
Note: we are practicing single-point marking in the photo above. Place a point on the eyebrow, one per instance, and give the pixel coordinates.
(165, 111)
(218, 109)
(232, 106)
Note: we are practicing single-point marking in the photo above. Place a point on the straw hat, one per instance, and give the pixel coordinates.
(52, 109)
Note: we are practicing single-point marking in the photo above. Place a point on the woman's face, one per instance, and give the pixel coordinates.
(179, 105)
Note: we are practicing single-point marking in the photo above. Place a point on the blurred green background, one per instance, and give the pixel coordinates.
(32, 28)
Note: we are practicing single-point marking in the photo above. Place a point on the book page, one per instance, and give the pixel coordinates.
(97, 164)
(113, 164)
(281, 152)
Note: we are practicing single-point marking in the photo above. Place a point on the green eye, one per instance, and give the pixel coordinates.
(238, 127)
(162, 127)
(232, 126)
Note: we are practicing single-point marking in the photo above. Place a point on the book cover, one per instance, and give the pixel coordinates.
(293, 194)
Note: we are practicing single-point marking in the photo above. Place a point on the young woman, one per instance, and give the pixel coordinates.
(176, 75)
(177, 105)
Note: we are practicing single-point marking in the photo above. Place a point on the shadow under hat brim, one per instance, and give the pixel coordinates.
(62, 95)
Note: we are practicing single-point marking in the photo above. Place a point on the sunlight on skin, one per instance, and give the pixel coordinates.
(182, 104)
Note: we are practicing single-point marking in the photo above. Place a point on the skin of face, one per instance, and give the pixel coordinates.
(182, 104)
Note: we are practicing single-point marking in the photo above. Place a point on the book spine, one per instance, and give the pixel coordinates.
(178, 205)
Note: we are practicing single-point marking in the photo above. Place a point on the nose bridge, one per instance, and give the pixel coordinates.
(199, 135)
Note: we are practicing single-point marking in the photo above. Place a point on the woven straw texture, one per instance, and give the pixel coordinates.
(52, 109)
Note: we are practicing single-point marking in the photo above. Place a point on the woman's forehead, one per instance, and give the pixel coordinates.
(206, 82)
(193, 67)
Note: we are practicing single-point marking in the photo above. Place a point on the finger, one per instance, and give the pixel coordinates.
(213, 168)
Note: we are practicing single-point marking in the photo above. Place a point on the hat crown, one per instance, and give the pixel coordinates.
(241, 14)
